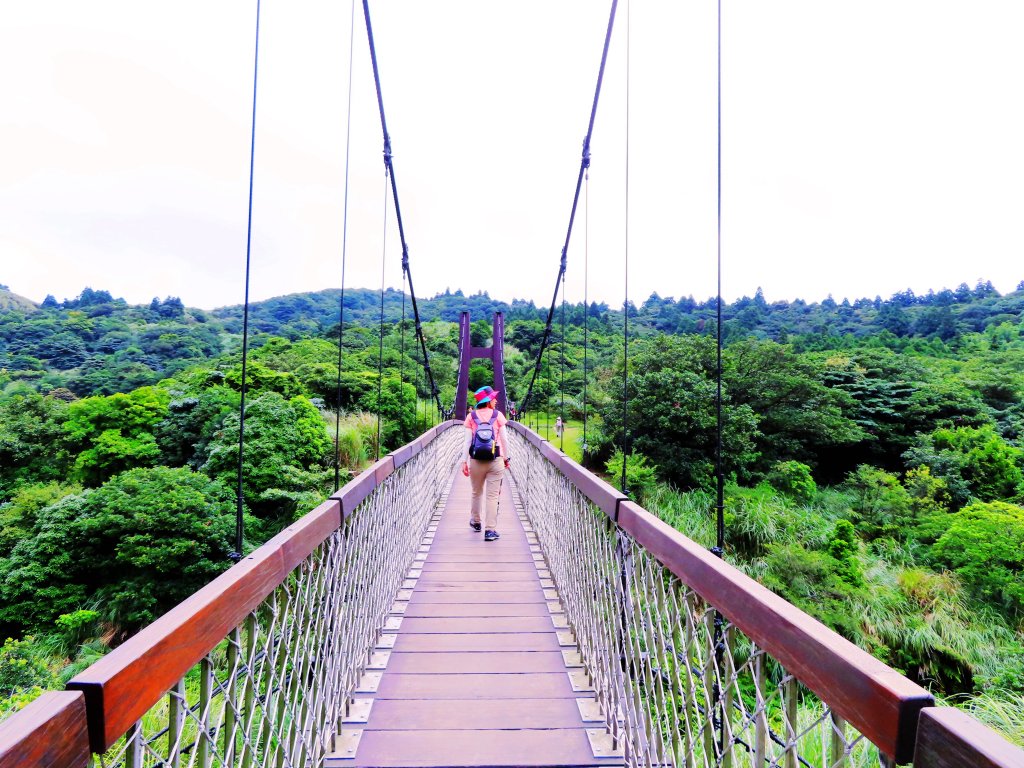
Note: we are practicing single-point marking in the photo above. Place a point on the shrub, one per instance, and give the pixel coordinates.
(640, 476)
(22, 667)
(984, 545)
(881, 505)
(794, 479)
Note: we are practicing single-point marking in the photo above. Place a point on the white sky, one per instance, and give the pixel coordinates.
(868, 147)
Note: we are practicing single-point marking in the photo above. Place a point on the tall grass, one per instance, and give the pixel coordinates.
(1001, 710)
(357, 438)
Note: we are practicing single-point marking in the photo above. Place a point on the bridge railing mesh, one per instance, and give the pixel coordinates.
(289, 633)
(692, 663)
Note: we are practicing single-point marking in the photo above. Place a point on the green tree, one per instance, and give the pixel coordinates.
(984, 546)
(973, 462)
(115, 433)
(130, 549)
(882, 507)
(672, 392)
(640, 476)
(18, 517)
(33, 444)
(793, 479)
(191, 423)
(287, 450)
(797, 415)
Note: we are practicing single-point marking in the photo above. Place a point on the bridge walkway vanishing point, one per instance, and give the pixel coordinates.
(476, 665)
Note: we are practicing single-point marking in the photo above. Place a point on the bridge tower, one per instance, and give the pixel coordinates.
(495, 353)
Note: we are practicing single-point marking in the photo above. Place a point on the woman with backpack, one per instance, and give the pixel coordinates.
(486, 459)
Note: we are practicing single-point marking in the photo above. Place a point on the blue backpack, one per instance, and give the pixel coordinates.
(483, 447)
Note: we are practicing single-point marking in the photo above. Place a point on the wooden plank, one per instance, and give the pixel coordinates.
(876, 699)
(484, 609)
(473, 594)
(482, 579)
(480, 566)
(454, 586)
(464, 748)
(493, 662)
(50, 732)
(478, 625)
(124, 684)
(508, 641)
(950, 738)
(526, 685)
(470, 557)
(421, 714)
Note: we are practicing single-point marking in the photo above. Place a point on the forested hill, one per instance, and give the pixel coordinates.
(98, 344)
(943, 315)
(873, 451)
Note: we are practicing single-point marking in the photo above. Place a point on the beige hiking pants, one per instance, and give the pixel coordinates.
(489, 473)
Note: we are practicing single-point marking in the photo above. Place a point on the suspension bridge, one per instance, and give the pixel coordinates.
(380, 630)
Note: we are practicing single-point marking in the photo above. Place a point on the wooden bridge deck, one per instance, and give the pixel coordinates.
(475, 668)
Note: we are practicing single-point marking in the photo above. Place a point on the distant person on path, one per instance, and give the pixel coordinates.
(486, 459)
(559, 426)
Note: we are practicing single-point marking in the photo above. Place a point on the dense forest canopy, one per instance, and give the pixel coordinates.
(874, 451)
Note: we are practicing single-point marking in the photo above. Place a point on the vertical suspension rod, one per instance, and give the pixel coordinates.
(239, 520)
(344, 249)
(398, 209)
(584, 165)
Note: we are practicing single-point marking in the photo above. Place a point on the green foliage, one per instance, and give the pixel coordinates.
(984, 546)
(183, 436)
(22, 667)
(32, 441)
(989, 465)
(355, 432)
(814, 581)
(882, 506)
(672, 393)
(1003, 711)
(793, 479)
(928, 494)
(131, 549)
(797, 415)
(640, 476)
(287, 450)
(259, 379)
(115, 433)
(18, 517)
(843, 547)
(73, 630)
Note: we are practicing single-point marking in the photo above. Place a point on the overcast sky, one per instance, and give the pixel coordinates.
(867, 147)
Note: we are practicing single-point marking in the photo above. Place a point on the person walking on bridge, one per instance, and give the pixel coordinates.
(486, 460)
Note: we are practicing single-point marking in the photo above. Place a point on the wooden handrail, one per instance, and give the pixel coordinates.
(127, 682)
(950, 738)
(876, 699)
(49, 733)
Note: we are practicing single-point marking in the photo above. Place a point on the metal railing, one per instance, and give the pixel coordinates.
(695, 664)
(258, 668)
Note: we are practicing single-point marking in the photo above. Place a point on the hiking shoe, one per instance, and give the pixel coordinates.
(491, 536)
(474, 524)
